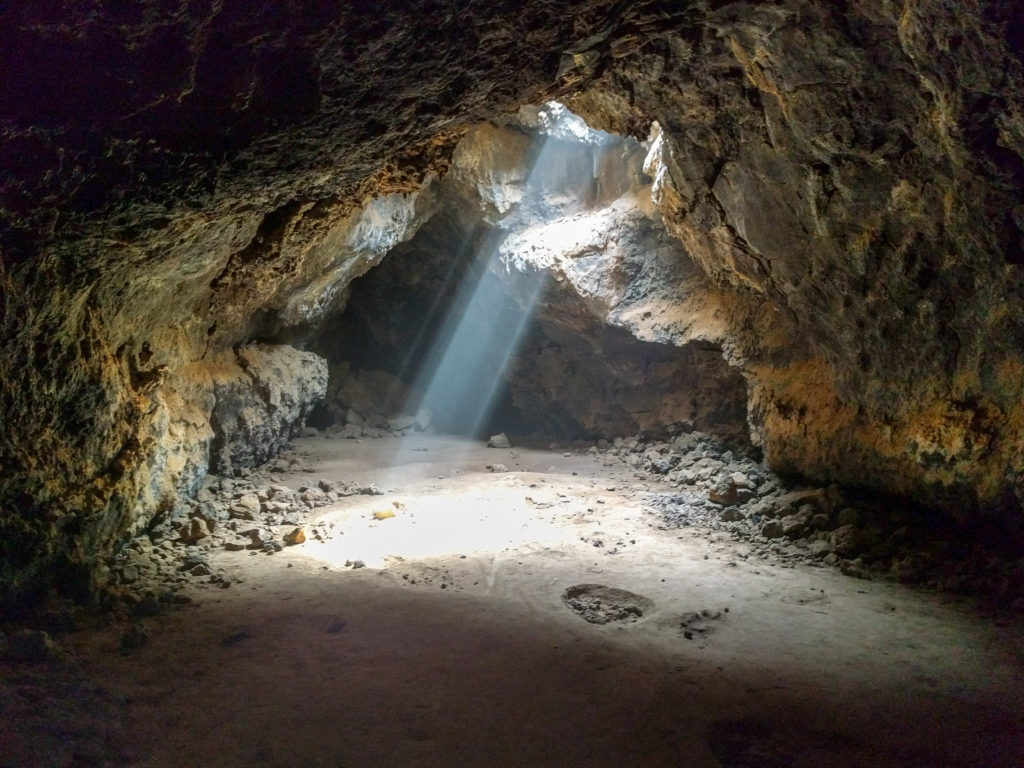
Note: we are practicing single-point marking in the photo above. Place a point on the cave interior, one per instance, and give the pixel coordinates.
(447, 326)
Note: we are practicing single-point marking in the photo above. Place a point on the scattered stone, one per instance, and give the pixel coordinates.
(795, 525)
(496, 468)
(383, 514)
(296, 536)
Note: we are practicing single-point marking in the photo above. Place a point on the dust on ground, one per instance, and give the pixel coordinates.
(521, 607)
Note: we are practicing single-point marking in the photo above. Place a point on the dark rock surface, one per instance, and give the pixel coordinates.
(179, 179)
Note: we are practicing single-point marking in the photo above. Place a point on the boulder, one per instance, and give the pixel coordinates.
(499, 441)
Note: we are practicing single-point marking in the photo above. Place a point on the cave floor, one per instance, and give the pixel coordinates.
(453, 646)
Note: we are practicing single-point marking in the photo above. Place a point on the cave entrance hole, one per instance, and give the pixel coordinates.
(528, 302)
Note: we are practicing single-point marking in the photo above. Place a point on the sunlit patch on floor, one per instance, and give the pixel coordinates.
(478, 515)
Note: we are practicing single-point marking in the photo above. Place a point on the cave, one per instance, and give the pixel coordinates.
(492, 384)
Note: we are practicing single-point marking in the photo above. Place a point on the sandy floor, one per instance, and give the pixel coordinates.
(454, 646)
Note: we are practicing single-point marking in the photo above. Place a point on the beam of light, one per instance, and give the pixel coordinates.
(475, 515)
(465, 368)
(460, 377)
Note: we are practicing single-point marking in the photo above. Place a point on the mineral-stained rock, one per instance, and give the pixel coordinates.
(295, 536)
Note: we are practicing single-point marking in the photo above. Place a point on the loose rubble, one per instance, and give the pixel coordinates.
(726, 488)
(243, 513)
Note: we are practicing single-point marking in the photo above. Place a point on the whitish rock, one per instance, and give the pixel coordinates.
(499, 441)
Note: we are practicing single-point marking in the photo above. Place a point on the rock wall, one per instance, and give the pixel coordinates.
(858, 166)
(849, 176)
(256, 411)
(614, 344)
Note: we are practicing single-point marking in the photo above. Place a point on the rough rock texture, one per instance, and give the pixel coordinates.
(256, 412)
(177, 176)
(547, 224)
(859, 167)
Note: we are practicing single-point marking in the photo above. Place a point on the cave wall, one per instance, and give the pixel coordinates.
(858, 166)
(177, 176)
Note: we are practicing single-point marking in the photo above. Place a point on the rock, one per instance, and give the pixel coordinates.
(820, 522)
(354, 418)
(295, 536)
(32, 646)
(383, 514)
(795, 525)
(257, 409)
(845, 540)
(772, 530)
(245, 507)
(496, 468)
(734, 489)
(855, 569)
(820, 548)
(257, 537)
(194, 530)
(401, 423)
(731, 515)
(499, 441)
(660, 466)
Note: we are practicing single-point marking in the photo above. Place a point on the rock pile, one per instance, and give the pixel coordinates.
(241, 513)
(726, 488)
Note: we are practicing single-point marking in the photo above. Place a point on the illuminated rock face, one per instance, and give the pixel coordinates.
(545, 297)
(178, 180)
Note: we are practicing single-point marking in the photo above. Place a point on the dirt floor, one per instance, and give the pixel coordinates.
(468, 638)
